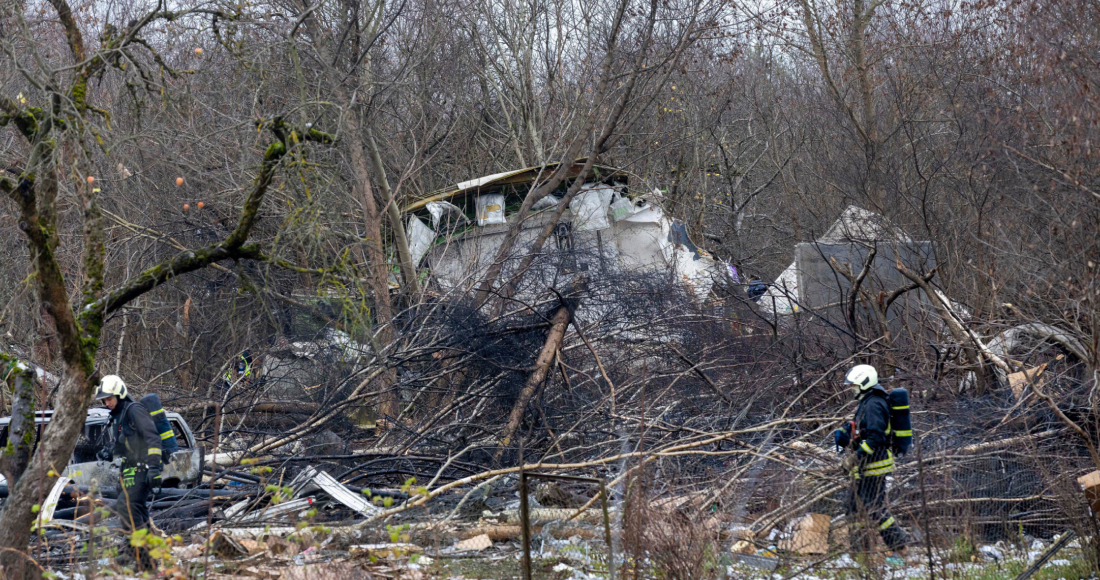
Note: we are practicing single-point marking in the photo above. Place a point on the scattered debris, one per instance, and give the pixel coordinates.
(743, 547)
(341, 570)
(1090, 483)
(991, 553)
(810, 535)
(341, 494)
(762, 562)
(1020, 382)
(45, 514)
(476, 544)
(275, 512)
(1047, 555)
(225, 546)
(396, 550)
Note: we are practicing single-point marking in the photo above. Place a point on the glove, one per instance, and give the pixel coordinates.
(104, 454)
(851, 461)
(152, 478)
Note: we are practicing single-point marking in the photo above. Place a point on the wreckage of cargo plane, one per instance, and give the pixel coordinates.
(812, 283)
(607, 228)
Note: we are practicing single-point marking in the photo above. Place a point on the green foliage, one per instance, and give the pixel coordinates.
(962, 550)
(158, 548)
(279, 493)
(398, 533)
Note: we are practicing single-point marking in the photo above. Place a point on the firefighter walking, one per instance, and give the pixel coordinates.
(870, 440)
(137, 442)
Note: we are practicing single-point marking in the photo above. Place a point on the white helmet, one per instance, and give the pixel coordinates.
(111, 386)
(863, 377)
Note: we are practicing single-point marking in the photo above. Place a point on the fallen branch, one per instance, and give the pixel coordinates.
(559, 322)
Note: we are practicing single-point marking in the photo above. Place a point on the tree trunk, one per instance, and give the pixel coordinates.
(377, 271)
(21, 431)
(51, 457)
(559, 323)
(400, 238)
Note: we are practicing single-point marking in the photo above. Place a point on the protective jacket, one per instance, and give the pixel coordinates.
(135, 435)
(871, 440)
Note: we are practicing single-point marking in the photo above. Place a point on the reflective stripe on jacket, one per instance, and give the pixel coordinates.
(873, 424)
(136, 439)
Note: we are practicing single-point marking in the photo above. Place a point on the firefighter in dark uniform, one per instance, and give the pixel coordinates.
(136, 441)
(869, 460)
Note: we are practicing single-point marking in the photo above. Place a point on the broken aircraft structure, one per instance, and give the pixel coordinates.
(608, 226)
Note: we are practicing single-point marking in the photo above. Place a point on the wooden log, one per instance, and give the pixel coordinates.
(500, 533)
(560, 320)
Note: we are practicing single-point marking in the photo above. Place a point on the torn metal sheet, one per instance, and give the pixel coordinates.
(590, 207)
(303, 482)
(67, 524)
(338, 492)
(236, 508)
(45, 514)
(478, 182)
(810, 280)
(1031, 334)
(515, 177)
(421, 238)
(277, 511)
(446, 215)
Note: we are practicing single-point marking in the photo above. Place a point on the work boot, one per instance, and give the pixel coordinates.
(898, 558)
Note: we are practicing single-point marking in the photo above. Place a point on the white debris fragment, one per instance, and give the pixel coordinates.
(991, 553)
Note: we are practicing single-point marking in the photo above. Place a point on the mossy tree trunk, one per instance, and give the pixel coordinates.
(65, 124)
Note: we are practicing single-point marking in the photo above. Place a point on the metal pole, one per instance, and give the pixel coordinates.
(524, 522)
(1047, 555)
(607, 533)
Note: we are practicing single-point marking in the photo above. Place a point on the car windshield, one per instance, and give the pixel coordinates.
(92, 439)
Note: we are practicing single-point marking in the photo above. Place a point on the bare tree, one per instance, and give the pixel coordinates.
(60, 137)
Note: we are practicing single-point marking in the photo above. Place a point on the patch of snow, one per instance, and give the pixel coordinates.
(1058, 562)
(846, 561)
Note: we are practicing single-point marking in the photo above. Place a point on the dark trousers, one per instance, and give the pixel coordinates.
(132, 505)
(867, 510)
